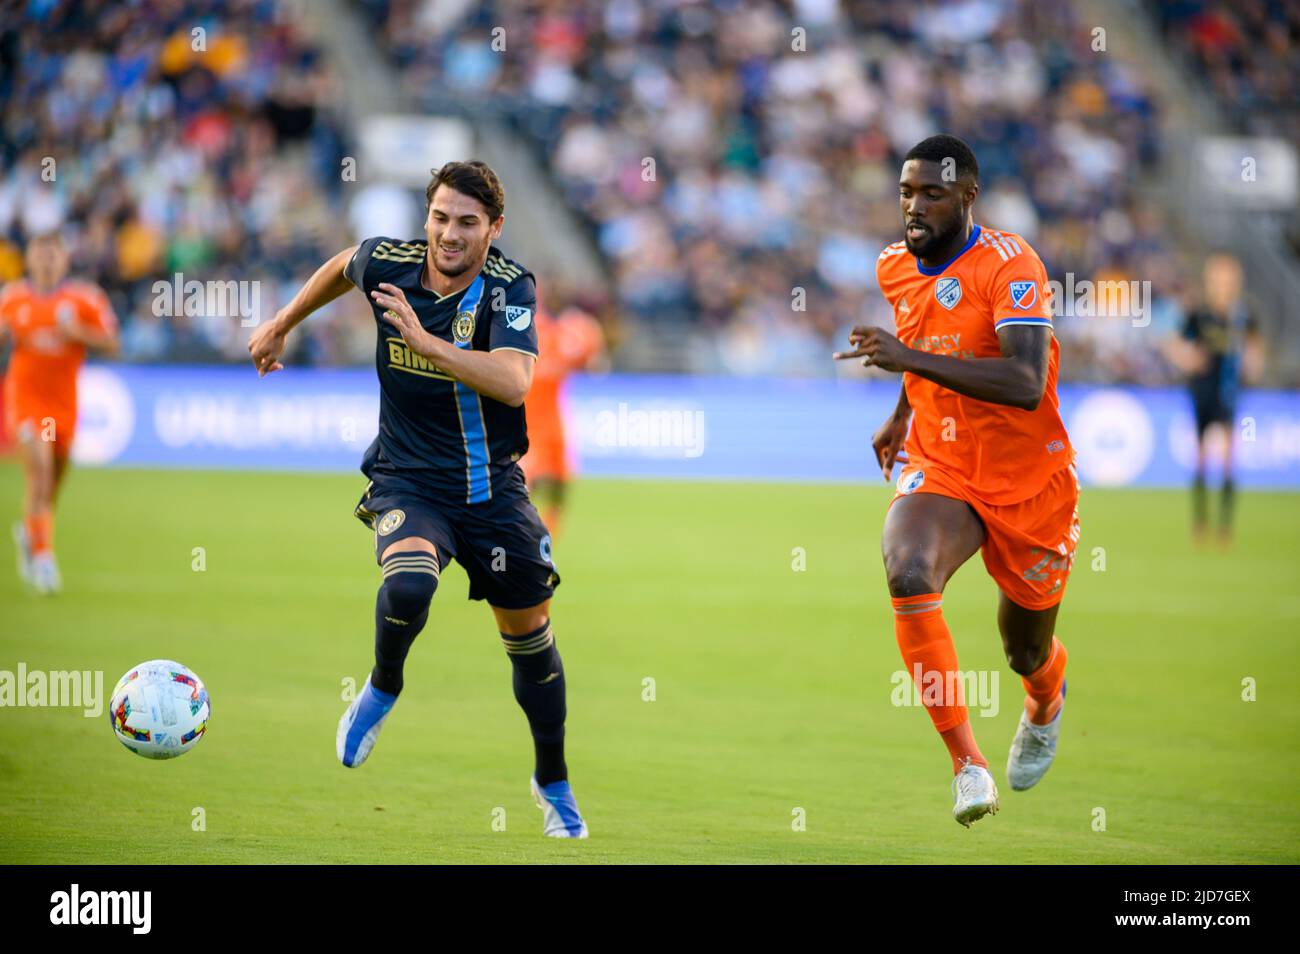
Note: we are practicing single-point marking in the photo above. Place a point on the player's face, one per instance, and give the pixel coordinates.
(459, 231)
(934, 210)
(47, 262)
(1223, 281)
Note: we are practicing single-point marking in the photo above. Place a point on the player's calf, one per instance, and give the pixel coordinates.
(538, 676)
(401, 610)
(540, 692)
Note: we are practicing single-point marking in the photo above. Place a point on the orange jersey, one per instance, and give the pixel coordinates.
(566, 343)
(1002, 454)
(44, 361)
(42, 375)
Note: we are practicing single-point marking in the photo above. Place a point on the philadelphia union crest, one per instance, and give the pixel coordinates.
(390, 522)
(462, 329)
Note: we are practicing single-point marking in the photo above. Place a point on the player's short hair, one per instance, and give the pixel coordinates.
(474, 179)
(939, 148)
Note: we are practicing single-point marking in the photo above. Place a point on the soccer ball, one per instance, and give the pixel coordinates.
(159, 709)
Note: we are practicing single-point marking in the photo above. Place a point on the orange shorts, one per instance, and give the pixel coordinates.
(1028, 546)
(31, 418)
(547, 457)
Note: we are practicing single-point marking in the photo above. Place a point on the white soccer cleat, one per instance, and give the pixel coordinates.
(560, 815)
(45, 574)
(23, 552)
(1033, 749)
(360, 725)
(974, 794)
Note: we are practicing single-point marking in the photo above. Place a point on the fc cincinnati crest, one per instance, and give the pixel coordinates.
(1023, 294)
(947, 291)
(462, 329)
(390, 522)
(907, 483)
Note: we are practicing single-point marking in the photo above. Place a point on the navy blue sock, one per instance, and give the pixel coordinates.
(401, 610)
(539, 690)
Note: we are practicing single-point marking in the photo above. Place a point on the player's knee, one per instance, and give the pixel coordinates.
(1024, 660)
(410, 580)
(533, 655)
(538, 681)
(911, 571)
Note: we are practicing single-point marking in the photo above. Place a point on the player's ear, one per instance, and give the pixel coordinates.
(495, 231)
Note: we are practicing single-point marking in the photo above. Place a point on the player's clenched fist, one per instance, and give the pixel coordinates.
(265, 347)
(878, 346)
(401, 316)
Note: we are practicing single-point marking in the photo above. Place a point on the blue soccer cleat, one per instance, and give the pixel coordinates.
(560, 815)
(360, 725)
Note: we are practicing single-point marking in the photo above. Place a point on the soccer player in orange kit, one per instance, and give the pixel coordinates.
(570, 341)
(988, 466)
(52, 324)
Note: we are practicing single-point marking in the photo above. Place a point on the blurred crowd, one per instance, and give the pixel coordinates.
(168, 137)
(734, 160)
(1246, 52)
(728, 153)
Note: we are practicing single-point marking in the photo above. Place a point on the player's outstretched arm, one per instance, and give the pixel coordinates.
(1017, 379)
(329, 282)
(503, 375)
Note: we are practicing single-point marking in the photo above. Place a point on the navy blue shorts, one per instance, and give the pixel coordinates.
(502, 543)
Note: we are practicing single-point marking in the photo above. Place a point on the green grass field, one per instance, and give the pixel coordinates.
(772, 687)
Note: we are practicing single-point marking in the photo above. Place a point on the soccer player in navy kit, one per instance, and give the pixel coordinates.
(455, 356)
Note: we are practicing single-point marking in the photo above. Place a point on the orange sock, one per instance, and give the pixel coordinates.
(40, 532)
(924, 641)
(1043, 686)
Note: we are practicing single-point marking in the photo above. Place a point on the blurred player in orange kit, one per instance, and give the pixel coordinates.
(570, 341)
(52, 324)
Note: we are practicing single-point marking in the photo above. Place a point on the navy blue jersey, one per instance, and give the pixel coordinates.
(432, 428)
(1223, 337)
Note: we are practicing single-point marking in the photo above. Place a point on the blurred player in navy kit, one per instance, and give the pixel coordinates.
(1220, 346)
(457, 344)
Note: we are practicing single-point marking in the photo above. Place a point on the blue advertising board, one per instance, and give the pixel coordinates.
(656, 426)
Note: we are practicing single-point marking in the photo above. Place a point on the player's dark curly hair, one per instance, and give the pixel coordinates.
(939, 148)
(474, 179)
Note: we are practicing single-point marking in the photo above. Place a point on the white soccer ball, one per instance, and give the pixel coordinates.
(159, 709)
